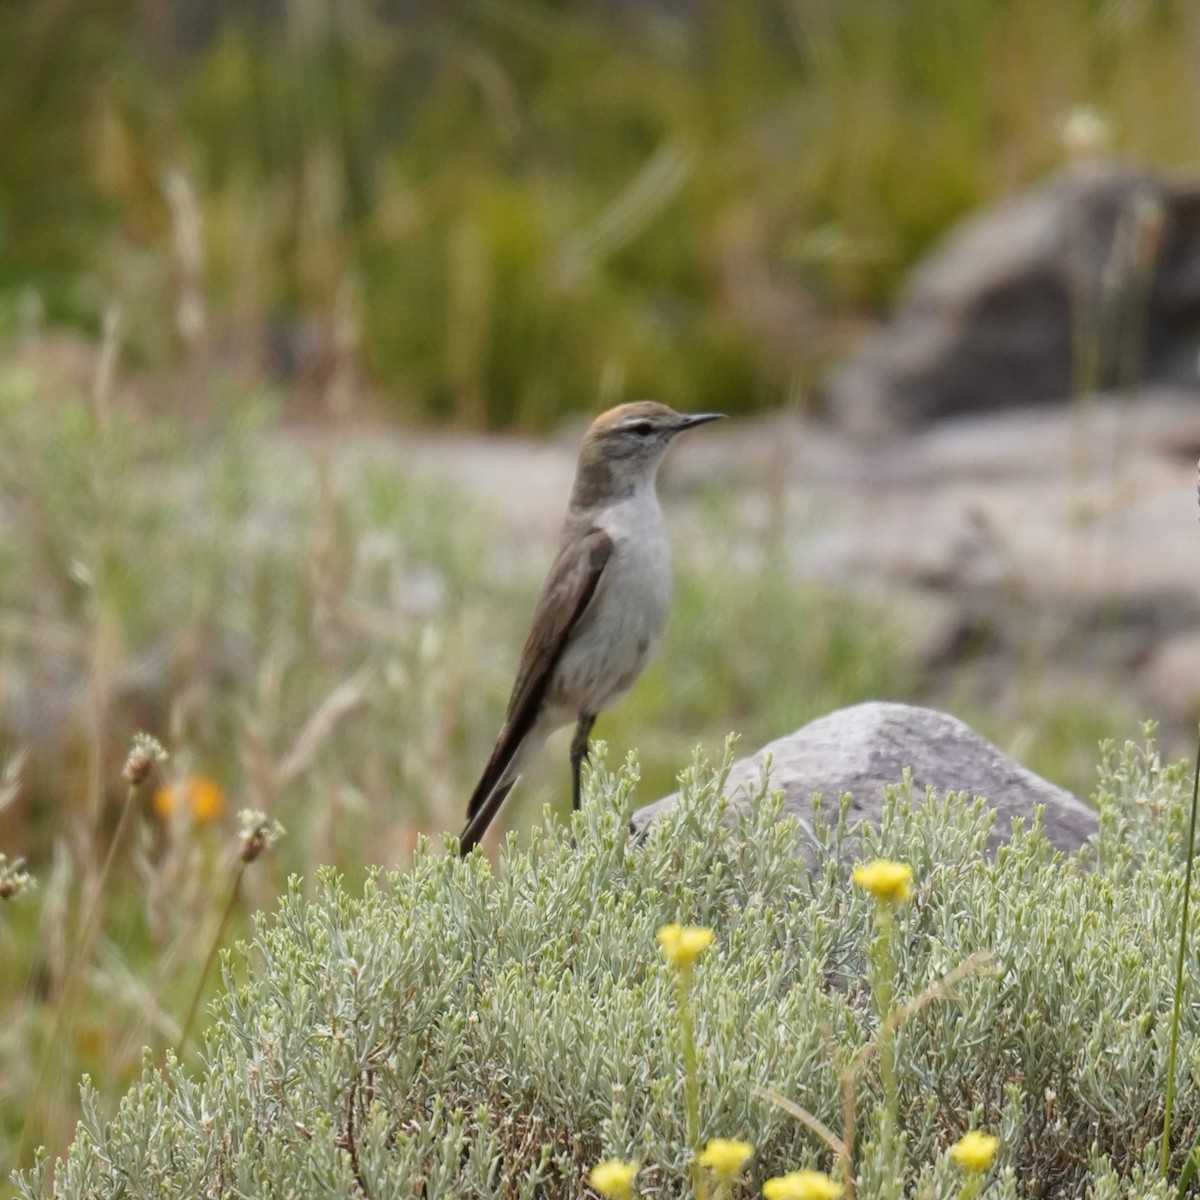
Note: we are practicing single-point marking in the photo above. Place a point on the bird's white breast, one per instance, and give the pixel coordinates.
(625, 621)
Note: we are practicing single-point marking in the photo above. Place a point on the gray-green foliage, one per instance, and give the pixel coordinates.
(459, 1030)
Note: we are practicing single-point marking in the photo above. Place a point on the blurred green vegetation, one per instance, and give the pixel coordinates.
(506, 210)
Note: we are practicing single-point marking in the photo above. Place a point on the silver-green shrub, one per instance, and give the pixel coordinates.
(462, 1031)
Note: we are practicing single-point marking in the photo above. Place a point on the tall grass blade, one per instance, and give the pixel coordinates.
(1178, 1003)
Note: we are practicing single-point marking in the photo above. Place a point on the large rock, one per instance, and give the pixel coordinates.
(867, 748)
(1089, 281)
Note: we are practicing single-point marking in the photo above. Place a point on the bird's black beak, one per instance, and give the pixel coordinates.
(691, 420)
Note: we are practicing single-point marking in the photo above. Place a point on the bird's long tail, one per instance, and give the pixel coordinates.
(480, 817)
(503, 754)
(497, 781)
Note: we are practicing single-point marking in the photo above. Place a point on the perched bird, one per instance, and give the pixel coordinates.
(603, 606)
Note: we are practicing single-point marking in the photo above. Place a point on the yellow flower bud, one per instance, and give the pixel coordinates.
(889, 882)
(801, 1185)
(613, 1178)
(975, 1151)
(683, 945)
(725, 1158)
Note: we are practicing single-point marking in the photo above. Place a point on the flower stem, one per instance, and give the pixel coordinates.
(884, 971)
(64, 1011)
(1178, 1004)
(212, 954)
(691, 1081)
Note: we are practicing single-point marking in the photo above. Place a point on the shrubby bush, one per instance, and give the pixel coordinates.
(469, 1030)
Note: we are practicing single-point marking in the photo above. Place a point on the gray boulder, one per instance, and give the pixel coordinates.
(866, 748)
(1087, 282)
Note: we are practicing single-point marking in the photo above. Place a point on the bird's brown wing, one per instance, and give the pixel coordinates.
(570, 585)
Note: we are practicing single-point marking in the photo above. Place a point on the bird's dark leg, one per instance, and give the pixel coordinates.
(579, 751)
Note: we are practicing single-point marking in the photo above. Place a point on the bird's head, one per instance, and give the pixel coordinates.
(623, 447)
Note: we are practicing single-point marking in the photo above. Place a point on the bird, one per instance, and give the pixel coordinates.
(603, 607)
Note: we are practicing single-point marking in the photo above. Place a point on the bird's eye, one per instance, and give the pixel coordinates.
(641, 428)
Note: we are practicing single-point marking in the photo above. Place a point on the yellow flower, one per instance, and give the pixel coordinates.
(201, 796)
(683, 945)
(613, 1178)
(801, 1185)
(975, 1151)
(889, 882)
(725, 1158)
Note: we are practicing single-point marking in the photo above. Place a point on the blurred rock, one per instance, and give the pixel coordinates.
(1088, 507)
(1091, 281)
(865, 749)
(1172, 675)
